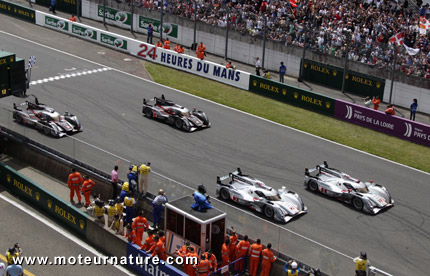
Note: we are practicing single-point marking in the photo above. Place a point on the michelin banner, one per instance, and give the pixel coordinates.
(147, 267)
(378, 120)
(147, 51)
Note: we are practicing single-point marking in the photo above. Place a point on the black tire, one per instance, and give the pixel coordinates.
(187, 128)
(148, 112)
(224, 194)
(47, 130)
(19, 120)
(268, 211)
(357, 203)
(179, 123)
(313, 185)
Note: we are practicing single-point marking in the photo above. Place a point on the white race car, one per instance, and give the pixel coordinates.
(366, 196)
(281, 205)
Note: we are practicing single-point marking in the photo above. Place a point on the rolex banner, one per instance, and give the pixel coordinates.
(292, 95)
(32, 193)
(331, 76)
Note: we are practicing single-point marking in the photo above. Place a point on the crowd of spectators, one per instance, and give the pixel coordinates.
(325, 24)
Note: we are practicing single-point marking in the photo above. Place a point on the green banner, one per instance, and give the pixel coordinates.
(84, 32)
(292, 95)
(17, 11)
(56, 23)
(61, 211)
(113, 41)
(168, 28)
(331, 76)
(114, 15)
(68, 6)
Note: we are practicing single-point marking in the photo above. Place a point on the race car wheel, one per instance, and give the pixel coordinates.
(269, 212)
(313, 185)
(148, 112)
(19, 119)
(46, 130)
(357, 203)
(224, 194)
(179, 123)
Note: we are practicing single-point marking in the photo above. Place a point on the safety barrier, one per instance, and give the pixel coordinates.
(331, 76)
(18, 11)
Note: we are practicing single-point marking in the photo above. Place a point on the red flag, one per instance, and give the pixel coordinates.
(293, 3)
(398, 39)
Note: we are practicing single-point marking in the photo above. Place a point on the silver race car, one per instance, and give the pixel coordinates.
(45, 118)
(281, 205)
(366, 196)
(174, 114)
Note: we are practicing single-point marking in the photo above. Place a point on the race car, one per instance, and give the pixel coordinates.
(174, 114)
(281, 205)
(363, 196)
(45, 118)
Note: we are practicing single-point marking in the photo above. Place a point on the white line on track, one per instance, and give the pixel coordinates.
(252, 115)
(63, 76)
(62, 232)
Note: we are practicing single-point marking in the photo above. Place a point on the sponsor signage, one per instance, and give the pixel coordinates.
(168, 28)
(57, 23)
(292, 95)
(113, 41)
(33, 193)
(332, 76)
(378, 120)
(17, 11)
(148, 267)
(120, 17)
(84, 32)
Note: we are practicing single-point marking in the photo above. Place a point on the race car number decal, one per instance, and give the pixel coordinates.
(144, 52)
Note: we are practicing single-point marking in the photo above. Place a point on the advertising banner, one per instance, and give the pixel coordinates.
(143, 265)
(61, 211)
(17, 11)
(168, 28)
(332, 76)
(292, 95)
(114, 16)
(378, 120)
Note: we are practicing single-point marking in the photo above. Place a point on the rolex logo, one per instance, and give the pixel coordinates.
(378, 84)
(49, 203)
(334, 73)
(327, 104)
(8, 177)
(254, 83)
(284, 91)
(37, 196)
(306, 65)
(82, 224)
(296, 95)
(347, 76)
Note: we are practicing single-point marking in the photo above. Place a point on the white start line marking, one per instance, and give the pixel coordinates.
(72, 75)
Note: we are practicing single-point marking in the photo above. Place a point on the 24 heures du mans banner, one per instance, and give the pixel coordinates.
(292, 95)
(331, 76)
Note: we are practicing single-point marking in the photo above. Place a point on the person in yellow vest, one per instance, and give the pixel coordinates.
(361, 264)
(99, 211)
(294, 271)
(117, 225)
(111, 211)
(119, 207)
(129, 203)
(144, 170)
(125, 188)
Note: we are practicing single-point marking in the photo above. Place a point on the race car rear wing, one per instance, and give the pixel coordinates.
(220, 179)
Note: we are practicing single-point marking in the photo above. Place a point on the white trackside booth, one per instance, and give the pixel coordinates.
(204, 230)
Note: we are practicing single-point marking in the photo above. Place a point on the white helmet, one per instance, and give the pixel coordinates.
(294, 265)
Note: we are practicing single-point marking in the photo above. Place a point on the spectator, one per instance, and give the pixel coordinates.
(212, 259)
(131, 234)
(132, 178)
(201, 51)
(361, 264)
(149, 241)
(119, 207)
(166, 44)
(129, 203)
(140, 225)
(268, 259)
(162, 236)
(14, 270)
(390, 110)
(376, 101)
(254, 257)
(124, 191)
(157, 205)
(158, 249)
(228, 65)
(144, 170)
(294, 268)
(99, 211)
(282, 71)
(233, 245)
(242, 249)
(257, 66)
(73, 18)
(74, 181)
(179, 49)
(189, 267)
(111, 211)
(204, 267)
(367, 101)
(159, 44)
(267, 75)
(52, 7)
(414, 107)
(117, 225)
(87, 186)
(114, 182)
(225, 253)
(2, 268)
(150, 32)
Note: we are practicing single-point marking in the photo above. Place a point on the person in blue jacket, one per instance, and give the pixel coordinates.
(202, 200)
(294, 271)
(414, 107)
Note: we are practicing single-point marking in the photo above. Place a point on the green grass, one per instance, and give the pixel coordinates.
(370, 141)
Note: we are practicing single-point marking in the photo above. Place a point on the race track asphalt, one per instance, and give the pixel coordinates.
(108, 104)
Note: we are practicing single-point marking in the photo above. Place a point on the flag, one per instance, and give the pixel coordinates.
(411, 51)
(293, 3)
(398, 39)
(31, 61)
